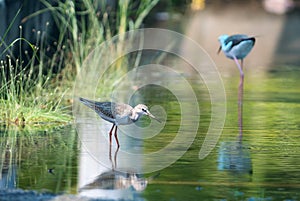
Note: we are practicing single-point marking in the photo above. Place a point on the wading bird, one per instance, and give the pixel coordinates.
(237, 47)
(117, 113)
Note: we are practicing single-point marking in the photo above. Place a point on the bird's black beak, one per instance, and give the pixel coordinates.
(153, 117)
(219, 50)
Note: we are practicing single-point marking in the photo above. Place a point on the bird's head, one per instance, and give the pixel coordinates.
(222, 40)
(141, 109)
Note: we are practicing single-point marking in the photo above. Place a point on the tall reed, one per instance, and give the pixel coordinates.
(28, 95)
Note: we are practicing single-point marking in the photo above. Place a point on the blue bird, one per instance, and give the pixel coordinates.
(237, 47)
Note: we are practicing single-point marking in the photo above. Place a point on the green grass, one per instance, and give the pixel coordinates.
(33, 95)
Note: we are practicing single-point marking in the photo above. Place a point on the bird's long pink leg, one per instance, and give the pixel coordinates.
(110, 134)
(240, 96)
(116, 136)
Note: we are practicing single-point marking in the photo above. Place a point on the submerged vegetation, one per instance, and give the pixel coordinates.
(34, 154)
(40, 92)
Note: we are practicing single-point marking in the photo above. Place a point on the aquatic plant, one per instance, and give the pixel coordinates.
(39, 91)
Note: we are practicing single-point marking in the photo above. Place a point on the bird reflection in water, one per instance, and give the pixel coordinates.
(235, 157)
(116, 180)
(113, 162)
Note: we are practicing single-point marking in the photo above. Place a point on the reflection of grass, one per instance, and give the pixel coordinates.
(28, 95)
(27, 156)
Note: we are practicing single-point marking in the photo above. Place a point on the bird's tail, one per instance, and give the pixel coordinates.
(89, 103)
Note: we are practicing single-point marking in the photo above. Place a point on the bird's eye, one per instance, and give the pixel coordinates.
(144, 110)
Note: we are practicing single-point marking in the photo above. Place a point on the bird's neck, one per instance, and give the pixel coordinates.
(226, 46)
(134, 116)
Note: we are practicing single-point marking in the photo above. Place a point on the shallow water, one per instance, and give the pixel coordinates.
(264, 165)
(43, 161)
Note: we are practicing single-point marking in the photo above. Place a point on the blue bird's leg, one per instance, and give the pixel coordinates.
(239, 66)
(240, 96)
(242, 63)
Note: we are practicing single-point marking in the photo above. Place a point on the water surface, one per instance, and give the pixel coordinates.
(264, 165)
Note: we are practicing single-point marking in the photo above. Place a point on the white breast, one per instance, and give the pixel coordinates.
(123, 120)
